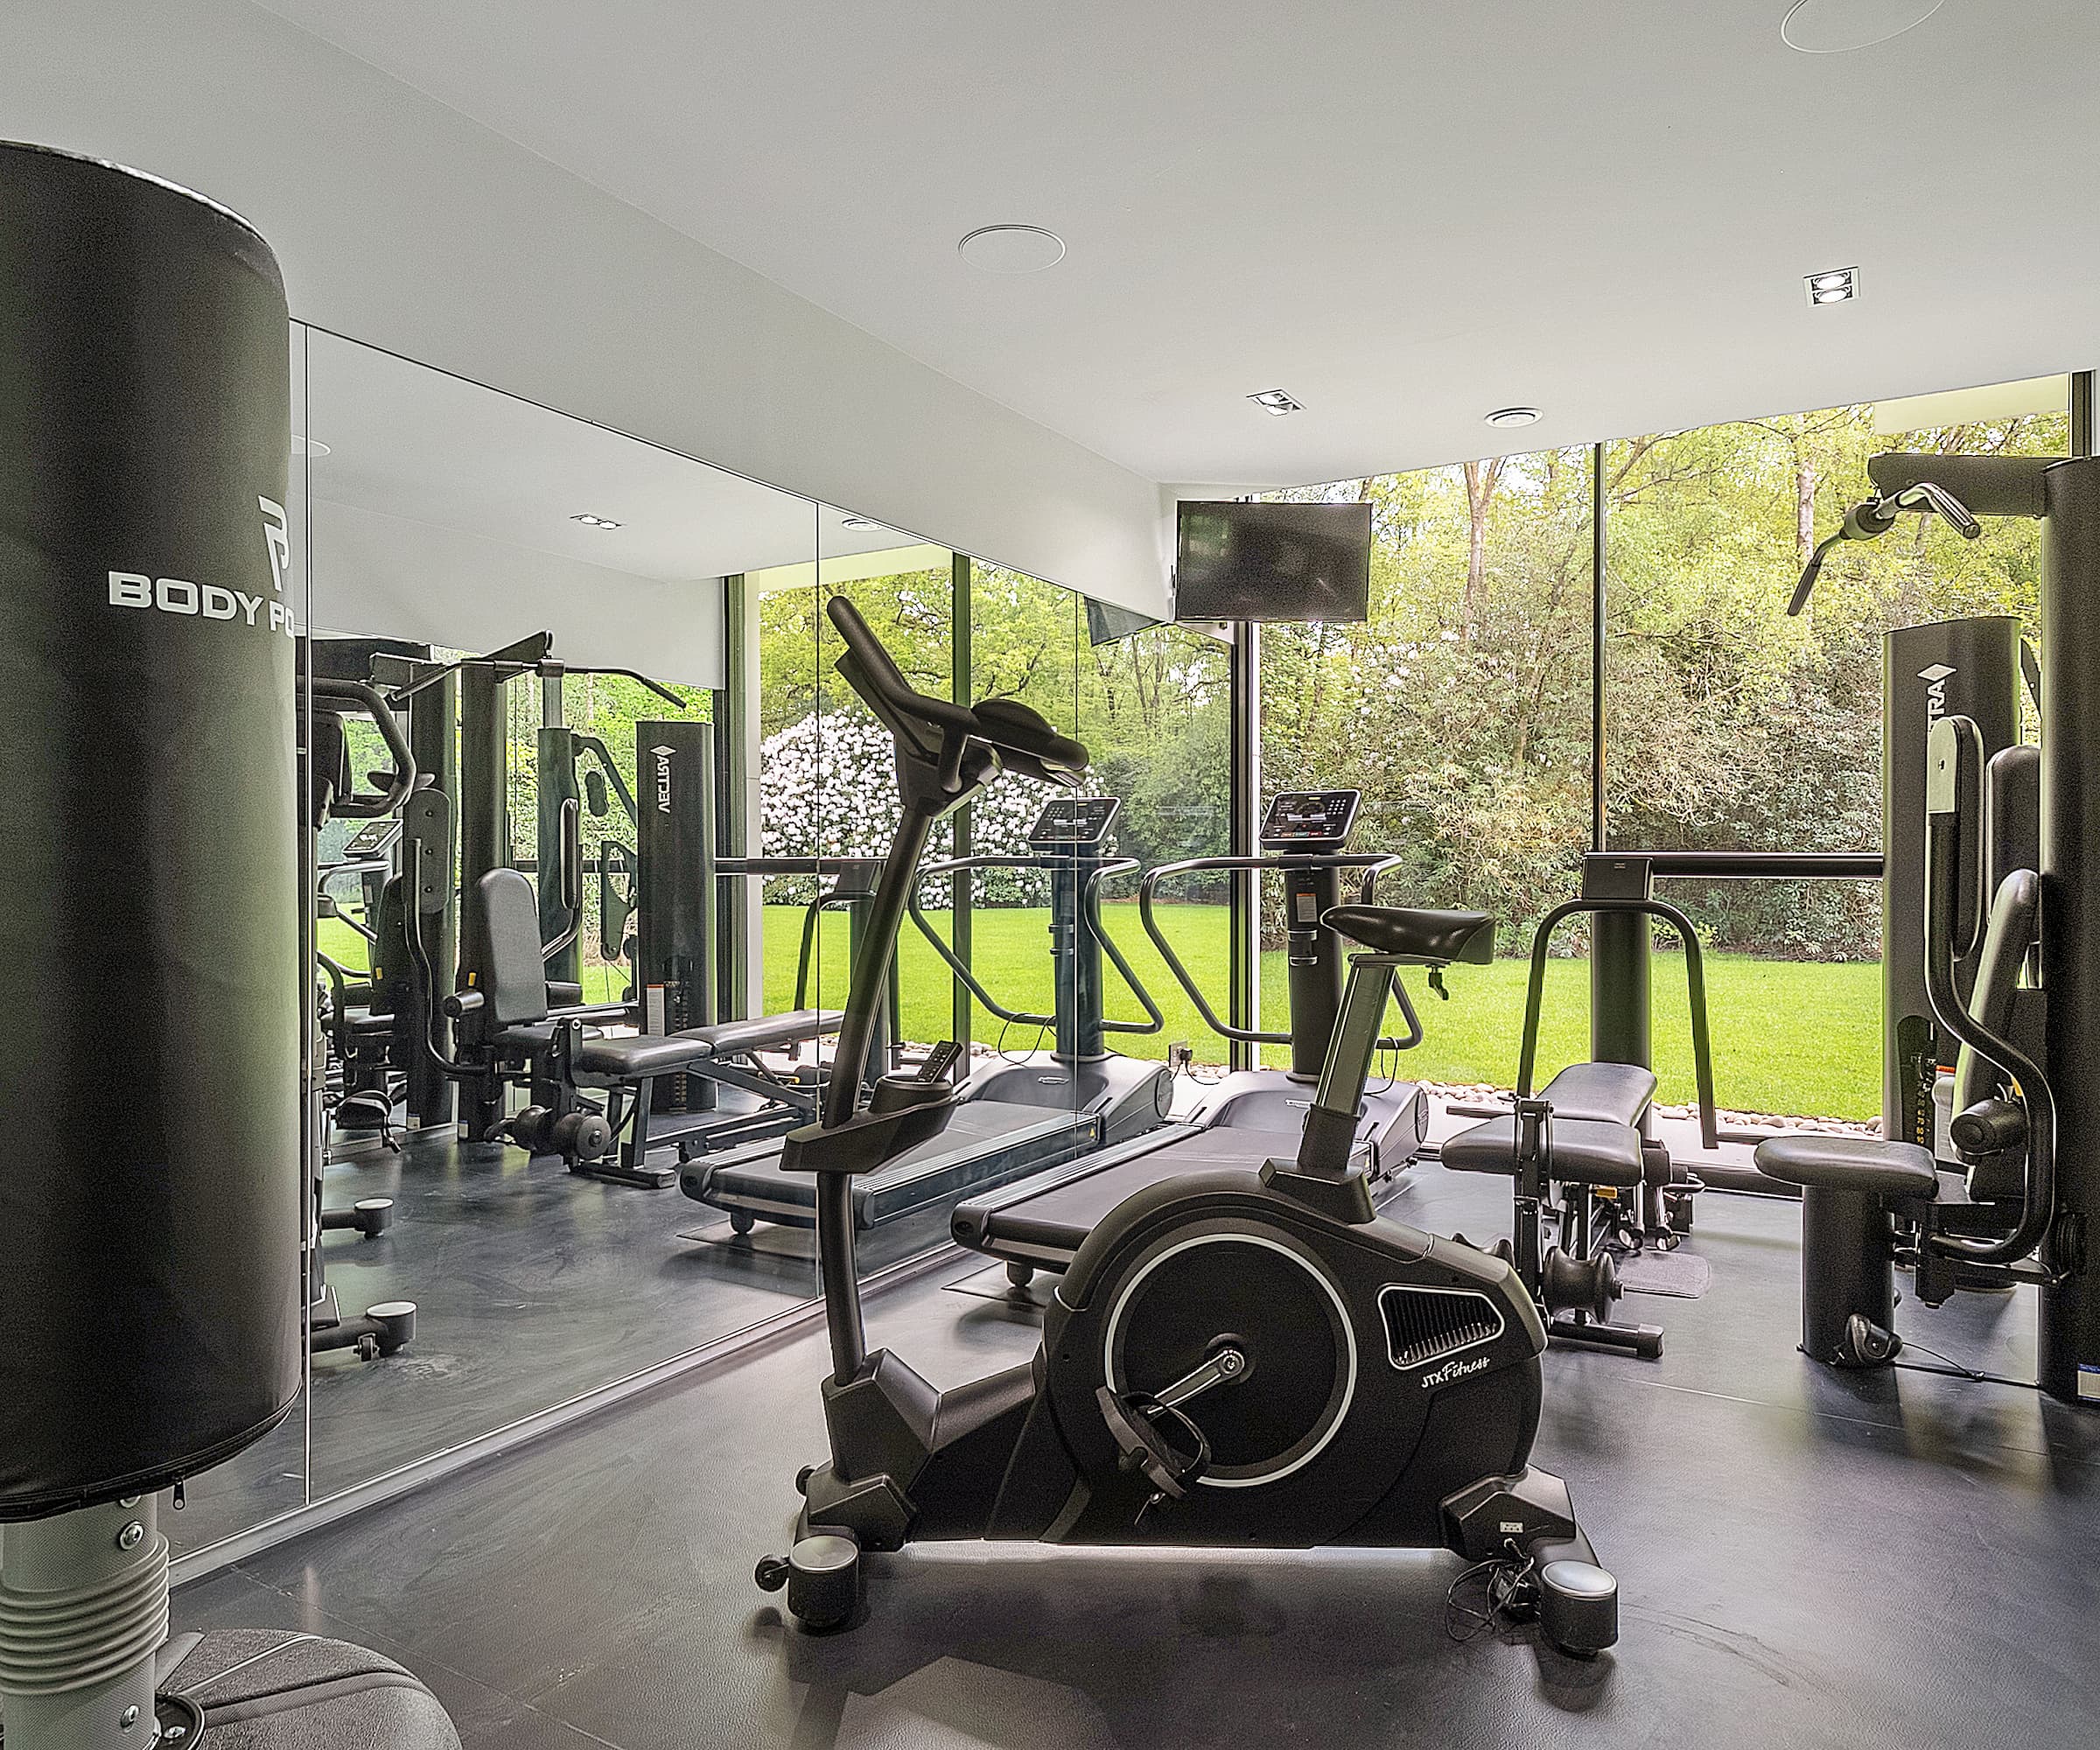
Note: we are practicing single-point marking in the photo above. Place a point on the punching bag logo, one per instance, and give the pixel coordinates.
(214, 601)
(277, 537)
(663, 778)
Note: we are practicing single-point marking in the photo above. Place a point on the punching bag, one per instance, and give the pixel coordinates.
(151, 975)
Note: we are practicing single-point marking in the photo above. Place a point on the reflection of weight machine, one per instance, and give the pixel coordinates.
(353, 1032)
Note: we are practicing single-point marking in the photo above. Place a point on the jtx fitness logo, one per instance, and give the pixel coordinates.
(214, 601)
(1452, 1370)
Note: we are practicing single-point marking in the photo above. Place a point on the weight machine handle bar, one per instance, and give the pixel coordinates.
(359, 697)
(1943, 884)
(1695, 982)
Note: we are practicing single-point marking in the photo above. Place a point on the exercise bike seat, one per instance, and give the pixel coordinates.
(1423, 937)
(1585, 1150)
(1873, 1165)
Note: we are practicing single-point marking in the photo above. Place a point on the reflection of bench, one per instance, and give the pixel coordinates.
(512, 1031)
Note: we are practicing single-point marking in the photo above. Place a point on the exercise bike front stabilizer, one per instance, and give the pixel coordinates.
(1233, 1358)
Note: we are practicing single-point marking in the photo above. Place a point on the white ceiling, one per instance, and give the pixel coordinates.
(1404, 212)
(414, 444)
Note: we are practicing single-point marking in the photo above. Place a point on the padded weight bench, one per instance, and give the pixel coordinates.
(1580, 1137)
(1597, 1109)
(508, 1019)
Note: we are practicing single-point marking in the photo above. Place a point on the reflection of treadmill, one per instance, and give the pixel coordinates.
(1253, 1114)
(1017, 1118)
(1069, 842)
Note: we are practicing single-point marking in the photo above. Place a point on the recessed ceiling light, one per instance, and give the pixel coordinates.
(1514, 415)
(1013, 249)
(1837, 26)
(859, 522)
(308, 446)
(1276, 401)
(1833, 285)
(591, 521)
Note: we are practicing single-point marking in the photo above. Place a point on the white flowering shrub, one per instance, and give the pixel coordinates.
(829, 788)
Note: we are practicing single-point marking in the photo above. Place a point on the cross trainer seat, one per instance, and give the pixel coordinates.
(512, 1031)
(1581, 1162)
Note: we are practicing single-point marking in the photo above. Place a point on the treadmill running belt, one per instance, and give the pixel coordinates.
(1026, 1224)
(984, 1143)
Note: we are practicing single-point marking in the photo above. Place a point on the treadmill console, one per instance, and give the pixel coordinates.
(1068, 820)
(1307, 821)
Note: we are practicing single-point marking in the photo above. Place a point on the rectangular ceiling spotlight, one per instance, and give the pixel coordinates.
(1834, 285)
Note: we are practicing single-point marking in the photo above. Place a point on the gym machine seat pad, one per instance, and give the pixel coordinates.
(1872, 1164)
(267, 1690)
(1440, 938)
(1585, 1150)
(766, 1033)
(1611, 1093)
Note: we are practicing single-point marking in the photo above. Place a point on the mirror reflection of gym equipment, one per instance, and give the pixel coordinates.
(1451, 1180)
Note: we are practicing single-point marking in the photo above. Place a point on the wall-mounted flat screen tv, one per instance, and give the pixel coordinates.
(1272, 561)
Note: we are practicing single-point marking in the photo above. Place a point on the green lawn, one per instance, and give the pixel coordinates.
(1788, 1036)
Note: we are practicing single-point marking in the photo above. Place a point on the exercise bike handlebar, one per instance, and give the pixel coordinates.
(939, 730)
(1372, 864)
(1695, 982)
(358, 697)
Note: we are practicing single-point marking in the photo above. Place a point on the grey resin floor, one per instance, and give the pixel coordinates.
(1805, 1559)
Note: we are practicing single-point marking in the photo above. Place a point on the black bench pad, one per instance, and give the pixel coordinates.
(766, 1033)
(624, 1057)
(1873, 1164)
(1614, 1093)
(1585, 1150)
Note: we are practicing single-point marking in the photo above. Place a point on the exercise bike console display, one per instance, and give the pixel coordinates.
(1074, 821)
(1310, 820)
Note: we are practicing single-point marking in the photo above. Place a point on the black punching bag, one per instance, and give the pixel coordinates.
(150, 982)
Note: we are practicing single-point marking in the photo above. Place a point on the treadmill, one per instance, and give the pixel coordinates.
(1037, 1111)
(1252, 1115)
(1131, 1095)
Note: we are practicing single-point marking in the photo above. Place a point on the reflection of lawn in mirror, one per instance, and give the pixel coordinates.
(1789, 1036)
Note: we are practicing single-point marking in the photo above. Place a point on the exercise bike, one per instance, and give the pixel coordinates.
(1234, 1357)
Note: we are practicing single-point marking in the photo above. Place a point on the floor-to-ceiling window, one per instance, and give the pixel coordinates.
(1460, 710)
(1734, 727)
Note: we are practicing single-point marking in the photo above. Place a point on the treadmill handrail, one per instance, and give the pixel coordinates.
(1373, 862)
(1090, 908)
(1090, 900)
(1022, 1018)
